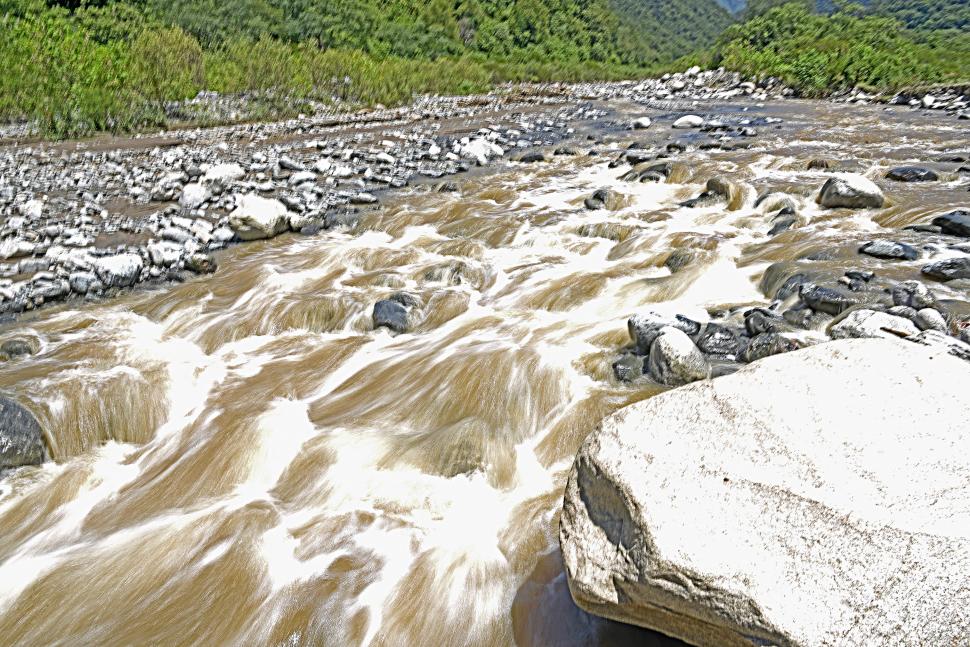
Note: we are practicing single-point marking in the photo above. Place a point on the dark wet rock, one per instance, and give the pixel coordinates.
(600, 200)
(820, 165)
(852, 191)
(532, 158)
(565, 151)
(912, 174)
(84, 282)
(679, 259)
(889, 249)
(762, 320)
(860, 275)
(343, 219)
(805, 318)
(448, 187)
(827, 300)
(628, 368)
(924, 229)
(21, 437)
(791, 286)
(201, 263)
(644, 328)
(766, 345)
(675, 360)
(17, 348)
(955, 223)
(716, 339)
(913, 294)
(648, 173)
(948, 269)
(782, 222)
(390, 313)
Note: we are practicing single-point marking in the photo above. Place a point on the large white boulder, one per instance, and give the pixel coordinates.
(814, 498)
(852, 191)
(255, 217)
(481, 150)
(223, 174)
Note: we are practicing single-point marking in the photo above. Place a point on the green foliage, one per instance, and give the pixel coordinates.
(817, 54)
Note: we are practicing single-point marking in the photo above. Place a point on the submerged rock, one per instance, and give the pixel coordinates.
(912, 174)
(21, 438)
(769, 507)
(955, 223)
(889, 249)
(852, 191)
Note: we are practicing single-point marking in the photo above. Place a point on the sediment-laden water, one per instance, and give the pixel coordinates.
(242, 459)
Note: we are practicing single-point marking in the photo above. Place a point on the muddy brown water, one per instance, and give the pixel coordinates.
(242, 460)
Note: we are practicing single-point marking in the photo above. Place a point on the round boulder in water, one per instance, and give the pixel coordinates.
(955, 223)
(689, 121)
(889, 249)
(949, 269)
(642, 123)
(21, 438)
(851, 191)
(912, 174)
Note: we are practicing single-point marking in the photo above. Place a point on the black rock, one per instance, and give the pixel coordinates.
(565, 151)
(766, 345)
(391, 314)
(791, 286)
(761, 320)
(955, 223)
(890, 250)
(860, 275)
(782, 222)
(532, 158)
(15, 348)
(598, 200)
(628, 368)
(949, 269)
(825, 300)
(912, 174)
(21, 438)
(719, 340)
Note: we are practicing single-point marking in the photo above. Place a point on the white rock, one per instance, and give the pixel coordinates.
(165, 254)
(121, 270)
(814, 498)
(860, 324)
(255, 217)
(224, 174)
(481, 150)
(689, 121)
(675, 360)
(194, 196)
(851, 190)
(322, 165)
(642, 123)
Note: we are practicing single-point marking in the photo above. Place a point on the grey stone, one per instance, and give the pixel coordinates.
(852, 191)
(890, 250)
(21, 437)
(913, 294)
(860, 324)
(912, 174)
(675, 360)
(930, 319)
(815, 498)
(949, 269)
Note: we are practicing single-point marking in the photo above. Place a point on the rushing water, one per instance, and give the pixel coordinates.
(242, 460)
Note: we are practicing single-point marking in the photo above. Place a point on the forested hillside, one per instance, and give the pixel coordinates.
(663, 28)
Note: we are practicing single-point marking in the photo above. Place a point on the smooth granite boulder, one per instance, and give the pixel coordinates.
(813, 498)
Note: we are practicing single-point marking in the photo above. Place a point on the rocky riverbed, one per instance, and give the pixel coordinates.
(374, 343)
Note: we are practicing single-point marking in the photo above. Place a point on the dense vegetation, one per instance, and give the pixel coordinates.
(78, 66)
(819, 53)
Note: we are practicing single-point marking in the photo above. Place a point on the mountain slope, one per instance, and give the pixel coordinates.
(670, 28)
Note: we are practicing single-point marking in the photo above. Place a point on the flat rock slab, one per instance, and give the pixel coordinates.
(820, 497)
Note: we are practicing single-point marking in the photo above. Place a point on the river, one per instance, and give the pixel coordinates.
(242, 460)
